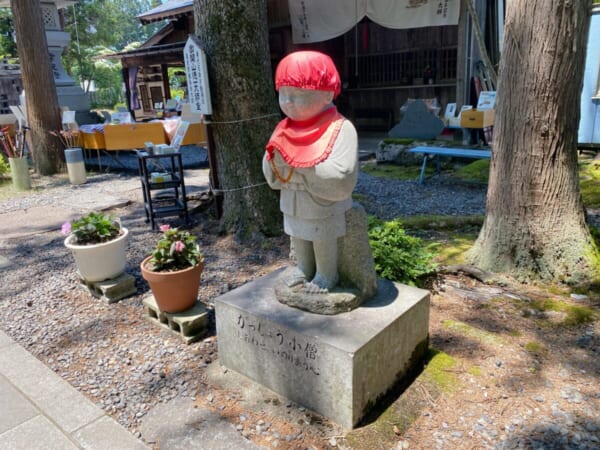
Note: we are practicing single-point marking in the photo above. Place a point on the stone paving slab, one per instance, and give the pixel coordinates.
(39, 410)
(21, 409)
(191, 428)
(106, 434)
(38, 433)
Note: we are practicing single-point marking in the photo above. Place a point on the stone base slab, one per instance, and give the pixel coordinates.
(113, 290)
(190, 325)
(339, 366)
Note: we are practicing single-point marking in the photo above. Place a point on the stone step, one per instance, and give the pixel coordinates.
(191, 325)
(113, 290)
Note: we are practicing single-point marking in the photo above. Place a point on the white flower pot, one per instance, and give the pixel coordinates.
(75, 165)
(99, 262)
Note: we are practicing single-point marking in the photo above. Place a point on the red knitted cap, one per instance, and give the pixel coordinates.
(308, 69)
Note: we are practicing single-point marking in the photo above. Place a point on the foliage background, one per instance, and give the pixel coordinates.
(97, 27)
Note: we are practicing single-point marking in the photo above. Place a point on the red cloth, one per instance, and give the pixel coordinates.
(306, 143)
(308, 69)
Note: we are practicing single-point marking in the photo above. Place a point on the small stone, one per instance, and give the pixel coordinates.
(498, 363)
(275, 443)
(333, 442)
(538, 398)
(583, 341)
(240, 427)
(579, 297)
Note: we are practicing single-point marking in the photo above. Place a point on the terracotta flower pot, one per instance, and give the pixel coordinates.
(97, 262)
(174, 291)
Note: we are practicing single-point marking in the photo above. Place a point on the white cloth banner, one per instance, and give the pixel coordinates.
(318, 20)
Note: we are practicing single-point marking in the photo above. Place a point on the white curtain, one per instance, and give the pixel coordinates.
(319, 20)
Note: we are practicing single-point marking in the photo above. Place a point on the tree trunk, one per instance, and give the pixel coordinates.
(42, 102)
(234, 35)
(535, 223)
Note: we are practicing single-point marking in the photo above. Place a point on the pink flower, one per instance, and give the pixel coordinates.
(66, 228)
(164, 228)
(179, 246)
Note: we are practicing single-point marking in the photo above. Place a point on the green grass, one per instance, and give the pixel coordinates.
(394, 171)
(453, 250)
(574, 315)
(535, 348)
(398, 141)
(473, 332)
(439, 371)
(476, 172)
(589, 174)
(475, 371)
(438, 222)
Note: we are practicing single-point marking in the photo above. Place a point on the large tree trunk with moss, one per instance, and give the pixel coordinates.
(535, 223)
(42, 102)
(234, 35)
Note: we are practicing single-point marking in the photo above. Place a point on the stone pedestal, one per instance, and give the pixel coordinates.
(338, 366)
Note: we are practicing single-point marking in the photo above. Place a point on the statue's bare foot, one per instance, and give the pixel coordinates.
(319, 285)
(296, 277)
(312, 288)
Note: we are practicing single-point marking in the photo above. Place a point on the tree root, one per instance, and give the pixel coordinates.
(472, 271)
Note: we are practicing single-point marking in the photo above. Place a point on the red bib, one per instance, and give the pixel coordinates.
(306, 143)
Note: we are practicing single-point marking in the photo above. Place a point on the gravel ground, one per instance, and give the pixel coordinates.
(391, 198)
(127, 365)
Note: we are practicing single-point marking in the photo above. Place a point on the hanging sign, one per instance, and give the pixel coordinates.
(196, 72)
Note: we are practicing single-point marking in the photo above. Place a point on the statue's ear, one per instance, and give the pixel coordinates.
(329, 96)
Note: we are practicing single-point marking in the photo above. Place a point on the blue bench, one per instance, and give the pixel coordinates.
(447, 151)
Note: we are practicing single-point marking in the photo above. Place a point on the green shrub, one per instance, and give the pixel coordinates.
(4, 168)
(399, 257)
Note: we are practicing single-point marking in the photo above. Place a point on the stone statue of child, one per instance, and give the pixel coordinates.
(312, 157)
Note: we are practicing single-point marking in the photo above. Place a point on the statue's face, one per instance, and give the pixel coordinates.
(303, 104)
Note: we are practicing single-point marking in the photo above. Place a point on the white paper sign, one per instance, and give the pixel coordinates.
(487, 100)
(197, 76)
(179, 135)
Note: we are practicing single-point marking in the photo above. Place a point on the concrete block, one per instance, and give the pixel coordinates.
(113, 290)
(338, 366)
(191, 325)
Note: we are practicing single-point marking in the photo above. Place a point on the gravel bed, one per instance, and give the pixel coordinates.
(388, 199)
(127, 365)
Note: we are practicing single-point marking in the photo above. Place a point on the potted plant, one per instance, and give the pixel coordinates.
(173, 270)
(15, 152)
(98, 243)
